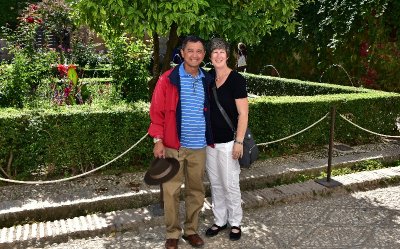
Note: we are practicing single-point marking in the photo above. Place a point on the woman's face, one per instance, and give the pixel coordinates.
(219, 57)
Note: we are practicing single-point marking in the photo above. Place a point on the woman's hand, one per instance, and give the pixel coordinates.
(237, 151)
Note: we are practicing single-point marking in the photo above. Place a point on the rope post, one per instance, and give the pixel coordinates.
(329, 182)
(331, 139)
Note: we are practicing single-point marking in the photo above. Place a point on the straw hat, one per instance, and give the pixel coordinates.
(161, 170)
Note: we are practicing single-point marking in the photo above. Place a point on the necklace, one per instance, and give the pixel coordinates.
(222, 76)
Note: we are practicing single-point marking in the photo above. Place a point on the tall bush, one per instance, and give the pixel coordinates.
(129, 61)
(19, 82)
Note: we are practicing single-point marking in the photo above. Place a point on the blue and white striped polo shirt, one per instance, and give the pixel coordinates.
(193, 127)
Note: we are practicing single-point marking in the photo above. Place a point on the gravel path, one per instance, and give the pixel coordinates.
(360, 220)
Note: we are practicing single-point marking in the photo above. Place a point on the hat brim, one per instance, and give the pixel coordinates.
(174, 170)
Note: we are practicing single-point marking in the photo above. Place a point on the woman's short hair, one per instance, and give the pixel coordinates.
(219, 43)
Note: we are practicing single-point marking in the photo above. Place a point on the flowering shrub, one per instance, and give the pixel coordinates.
(24, 36)
(41, 39)
(67, 90)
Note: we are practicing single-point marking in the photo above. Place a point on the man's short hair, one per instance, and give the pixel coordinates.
(193, 38)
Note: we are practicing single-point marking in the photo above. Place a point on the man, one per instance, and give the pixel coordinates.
(180, 126)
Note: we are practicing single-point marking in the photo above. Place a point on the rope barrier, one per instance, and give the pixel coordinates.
(375, 133)
(141, 139)
(77, 176)
(297, 133)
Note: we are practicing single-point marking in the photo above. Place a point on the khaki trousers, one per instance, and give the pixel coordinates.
(192, 164)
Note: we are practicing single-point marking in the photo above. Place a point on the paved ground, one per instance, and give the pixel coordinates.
(76, 212)
(360, 220)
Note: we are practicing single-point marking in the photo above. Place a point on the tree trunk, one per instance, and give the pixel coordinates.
(156, 64)
(166, 64)
(171, 44)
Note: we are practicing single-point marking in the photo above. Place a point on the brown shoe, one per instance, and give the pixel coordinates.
(194, 239)
(171, 244)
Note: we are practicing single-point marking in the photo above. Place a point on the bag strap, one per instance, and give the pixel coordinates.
(221, 109)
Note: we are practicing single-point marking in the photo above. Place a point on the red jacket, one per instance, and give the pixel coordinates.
(165, 109)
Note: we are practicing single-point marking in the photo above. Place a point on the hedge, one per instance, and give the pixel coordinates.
(275, 117)
(74, 139)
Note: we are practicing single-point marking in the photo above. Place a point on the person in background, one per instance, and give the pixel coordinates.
(181, 129)
(241, 64)
(222, 166)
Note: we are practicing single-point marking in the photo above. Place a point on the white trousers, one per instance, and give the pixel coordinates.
(223, 172)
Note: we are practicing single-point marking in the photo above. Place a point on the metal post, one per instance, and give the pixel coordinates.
(331, 138)
(328, 182)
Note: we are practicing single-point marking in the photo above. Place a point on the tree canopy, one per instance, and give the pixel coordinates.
(236, 20)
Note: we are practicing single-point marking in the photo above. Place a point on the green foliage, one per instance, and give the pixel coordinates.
(84, 54)
(361, 36)
(73, 140)
(24, 36)
(103, 92)
(129, 67)
(9, 11)
(19, 82)
(28, 81)
(274, 117)
(66, 89)
(367, 166)
(78, 138)
(100, 72)
(273, 86)
(57, 18)
(228, 18)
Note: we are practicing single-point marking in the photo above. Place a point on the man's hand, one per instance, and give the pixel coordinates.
(159, 150)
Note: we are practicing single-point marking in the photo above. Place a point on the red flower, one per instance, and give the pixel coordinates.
(39, 20)
(30, 19)
(62, 69)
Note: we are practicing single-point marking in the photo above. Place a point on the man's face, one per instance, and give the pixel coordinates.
(193, 54)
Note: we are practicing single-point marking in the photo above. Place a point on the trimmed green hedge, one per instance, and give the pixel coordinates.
(73, 139)
(273, 86)
(275, 117)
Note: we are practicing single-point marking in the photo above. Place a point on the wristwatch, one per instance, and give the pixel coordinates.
(156, 140)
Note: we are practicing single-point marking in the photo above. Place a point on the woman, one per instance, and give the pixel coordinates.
(222, 166)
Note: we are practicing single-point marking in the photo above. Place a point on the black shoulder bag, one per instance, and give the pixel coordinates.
(250, 149)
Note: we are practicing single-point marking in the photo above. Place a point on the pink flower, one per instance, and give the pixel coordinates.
(33, 7)
(67, 90)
